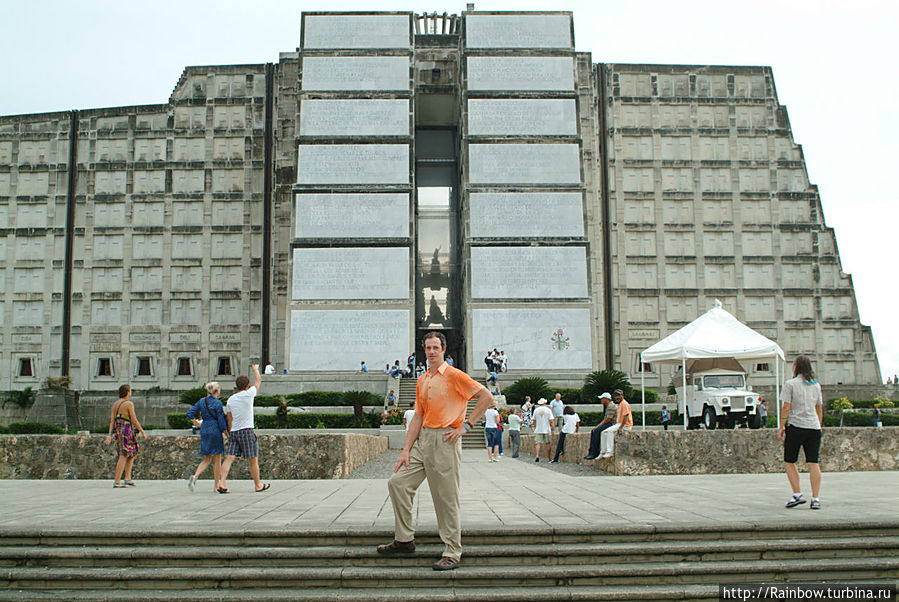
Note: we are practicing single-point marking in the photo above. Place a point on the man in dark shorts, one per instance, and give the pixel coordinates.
(242, 441)
(803, 406)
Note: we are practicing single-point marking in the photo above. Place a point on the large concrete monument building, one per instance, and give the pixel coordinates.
(472, 174)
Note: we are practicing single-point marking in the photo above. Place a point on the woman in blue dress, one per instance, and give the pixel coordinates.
(212, 424)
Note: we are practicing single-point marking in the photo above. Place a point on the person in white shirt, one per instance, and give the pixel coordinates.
(408, 415)
(269, 369)
(557, 407)
(803, 407)
(543, 427)
(242, 441)
(503, 361)
(570, 424)
(491, 417)
(515, 432)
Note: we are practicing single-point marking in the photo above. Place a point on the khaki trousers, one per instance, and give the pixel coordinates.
(432, 458)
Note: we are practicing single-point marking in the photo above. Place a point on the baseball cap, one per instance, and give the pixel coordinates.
(618, 392)
(604, 396)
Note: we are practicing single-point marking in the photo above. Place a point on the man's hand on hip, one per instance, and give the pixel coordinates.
(403, 460)
(453, 435)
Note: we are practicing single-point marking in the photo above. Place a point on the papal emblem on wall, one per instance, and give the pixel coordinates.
(560, 341)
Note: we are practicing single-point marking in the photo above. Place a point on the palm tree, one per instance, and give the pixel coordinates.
(604, 381)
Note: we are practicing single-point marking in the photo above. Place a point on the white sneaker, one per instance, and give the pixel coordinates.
(606, 456)
(192, 483)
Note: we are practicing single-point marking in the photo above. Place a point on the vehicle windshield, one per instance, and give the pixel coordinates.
(723, 381)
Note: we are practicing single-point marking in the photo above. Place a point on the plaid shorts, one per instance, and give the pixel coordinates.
(243, 443)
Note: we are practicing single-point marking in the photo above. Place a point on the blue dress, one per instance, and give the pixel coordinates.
(214, 424)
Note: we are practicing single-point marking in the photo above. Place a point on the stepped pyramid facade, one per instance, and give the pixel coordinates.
(473, 174)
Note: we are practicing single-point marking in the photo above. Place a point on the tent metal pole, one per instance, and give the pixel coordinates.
(777, 368)
(643, 391)
(683, 372)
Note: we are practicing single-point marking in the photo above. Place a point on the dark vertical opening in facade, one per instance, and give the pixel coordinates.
(72, 168)
(438, 291)
(606, 216)
(267, 213)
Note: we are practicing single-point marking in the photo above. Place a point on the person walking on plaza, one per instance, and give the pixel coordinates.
(122, 424)
(558, 408)
(433, 450)
(608, 419)
(213, 426)
(242, 441)
(491, 417)
(763, 413)
(666, 417)
(624, 422)
(803, 408)
(544, 428)
(515, 432)
(570, 425)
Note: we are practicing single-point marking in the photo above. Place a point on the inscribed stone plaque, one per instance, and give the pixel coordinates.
(351, 273)
(356, 31)
(528, 272)
(518, 31)
(536, 339)
(354, 117)
(342, 339)
(522, 117)
(520, 73)
(525, 214)
(352, 215)
(356, 73)
(353, 164)
(524, 164)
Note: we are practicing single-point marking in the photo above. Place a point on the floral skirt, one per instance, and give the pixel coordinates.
(125, 438)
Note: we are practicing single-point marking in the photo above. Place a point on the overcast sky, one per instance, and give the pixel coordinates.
(834, 66)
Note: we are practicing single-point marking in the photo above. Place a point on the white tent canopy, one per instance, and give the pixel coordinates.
(714, 334)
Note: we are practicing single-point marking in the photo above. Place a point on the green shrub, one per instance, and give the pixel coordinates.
(604, 381)
(178, 420)
(535, 387)
(267, 401)
(23, 399)
(316, 398)
(4, 430)
(883, 402)
(192, 396)
(309, 420)
(569, 396)
(651, 396)
(34, 428)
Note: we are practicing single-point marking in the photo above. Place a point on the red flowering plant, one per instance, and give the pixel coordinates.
(504, 412)
(393, 416)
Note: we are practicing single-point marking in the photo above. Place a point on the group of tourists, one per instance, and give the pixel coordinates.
(435, 425)
(214, 421)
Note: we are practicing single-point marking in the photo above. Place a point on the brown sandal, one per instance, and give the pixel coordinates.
(446, 564)
(397, 547)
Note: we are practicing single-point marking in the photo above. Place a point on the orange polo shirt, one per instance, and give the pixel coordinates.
(625, 408)
(442, 399)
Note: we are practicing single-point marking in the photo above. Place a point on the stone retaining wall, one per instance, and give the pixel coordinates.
(730, 451)
(287, 456)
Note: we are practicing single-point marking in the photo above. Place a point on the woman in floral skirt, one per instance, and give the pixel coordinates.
(122, 424)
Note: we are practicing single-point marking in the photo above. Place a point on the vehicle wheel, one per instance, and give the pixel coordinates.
(755, 421)
(709, 419)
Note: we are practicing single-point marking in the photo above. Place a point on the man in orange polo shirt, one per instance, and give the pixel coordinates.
(623, 423)
(433, 450)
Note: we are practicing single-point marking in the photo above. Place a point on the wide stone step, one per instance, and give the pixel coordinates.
(642, 534)
(475, 555)
(482, 577)
(385, 594)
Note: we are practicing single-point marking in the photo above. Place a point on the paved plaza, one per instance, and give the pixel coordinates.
(508, 494)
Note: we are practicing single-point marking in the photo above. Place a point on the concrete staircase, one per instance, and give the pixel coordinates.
(685, 562)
